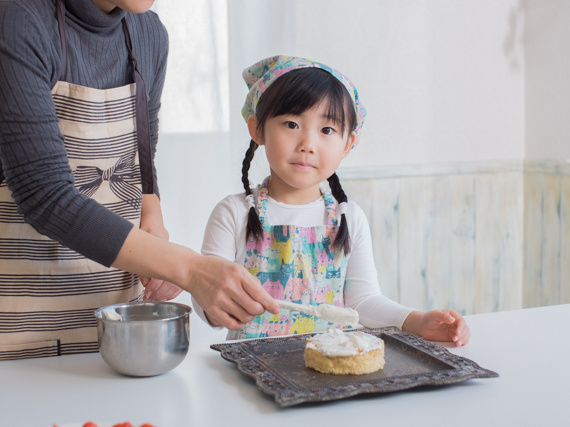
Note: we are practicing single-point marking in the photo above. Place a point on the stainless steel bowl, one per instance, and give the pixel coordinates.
(144, 339)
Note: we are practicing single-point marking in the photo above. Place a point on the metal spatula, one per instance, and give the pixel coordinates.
(330, 313)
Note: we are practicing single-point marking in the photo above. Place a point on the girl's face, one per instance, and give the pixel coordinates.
(302, 151)
(134, 6)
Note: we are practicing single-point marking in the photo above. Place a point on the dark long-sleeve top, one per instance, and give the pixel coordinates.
(32, 154)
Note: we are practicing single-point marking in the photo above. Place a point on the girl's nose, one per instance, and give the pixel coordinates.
(306, 143)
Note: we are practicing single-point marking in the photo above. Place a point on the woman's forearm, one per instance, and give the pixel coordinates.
(227, 291)
(151, 256)
(151, 216)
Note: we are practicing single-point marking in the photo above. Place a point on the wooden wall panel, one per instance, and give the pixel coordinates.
(547, 239)
(474, 238)
(499, 237)
(565, 240)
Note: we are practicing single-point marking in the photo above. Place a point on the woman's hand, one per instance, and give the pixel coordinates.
(438, 325)
(159, 290)
(152, 222)
(228, 293)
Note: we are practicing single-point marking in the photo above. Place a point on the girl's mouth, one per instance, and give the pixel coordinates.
(303, 165)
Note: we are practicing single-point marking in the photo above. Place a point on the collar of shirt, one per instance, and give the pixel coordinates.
(87, 15)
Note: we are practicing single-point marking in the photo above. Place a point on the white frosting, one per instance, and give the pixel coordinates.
(111, 314)
(335, 343)
(341, 315)
(344, 316)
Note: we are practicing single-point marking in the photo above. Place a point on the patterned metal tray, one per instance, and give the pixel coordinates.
(278, 367)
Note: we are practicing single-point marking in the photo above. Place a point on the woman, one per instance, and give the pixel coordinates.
(80, 216)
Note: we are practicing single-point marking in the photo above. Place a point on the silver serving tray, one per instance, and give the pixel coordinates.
(278, 367)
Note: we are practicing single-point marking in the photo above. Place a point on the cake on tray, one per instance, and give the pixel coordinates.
(344, 353)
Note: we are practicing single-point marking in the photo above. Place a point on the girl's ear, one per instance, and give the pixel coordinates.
(255, 133)
(349, 144)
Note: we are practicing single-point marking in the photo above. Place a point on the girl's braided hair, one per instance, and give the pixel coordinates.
(294, 93)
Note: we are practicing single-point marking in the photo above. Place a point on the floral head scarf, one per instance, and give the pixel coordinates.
(262, 74)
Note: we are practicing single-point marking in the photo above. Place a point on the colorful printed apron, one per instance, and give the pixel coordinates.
(295, 264)
(48, 292)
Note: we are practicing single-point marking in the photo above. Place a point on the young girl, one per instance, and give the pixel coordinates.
(305, 243)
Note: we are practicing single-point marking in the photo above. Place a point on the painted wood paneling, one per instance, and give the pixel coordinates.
(383, 208)
(547, 237)
(499, 238)
(565, 243)
(476, 238)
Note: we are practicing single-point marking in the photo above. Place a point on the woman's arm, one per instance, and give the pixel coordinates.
(152, 222)
(229, 293)
(224, 231)
(34, 161)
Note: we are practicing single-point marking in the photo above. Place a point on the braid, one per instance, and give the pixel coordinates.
(254, 228)
(342, 239)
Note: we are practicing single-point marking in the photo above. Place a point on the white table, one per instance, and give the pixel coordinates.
(529, 348)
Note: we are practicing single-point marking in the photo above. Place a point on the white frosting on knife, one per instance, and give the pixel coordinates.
(340, 315)
(336, 343)
(344, 316)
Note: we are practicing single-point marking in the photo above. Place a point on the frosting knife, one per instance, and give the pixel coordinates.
(330, 313)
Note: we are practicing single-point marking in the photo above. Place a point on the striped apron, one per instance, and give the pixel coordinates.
(48, 292)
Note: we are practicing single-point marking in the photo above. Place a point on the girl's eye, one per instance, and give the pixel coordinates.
(291, 125)
(328, 130)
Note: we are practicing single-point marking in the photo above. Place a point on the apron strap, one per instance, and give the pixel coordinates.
(141, 103)
(143, 121)
(263, 193)
(61, 25)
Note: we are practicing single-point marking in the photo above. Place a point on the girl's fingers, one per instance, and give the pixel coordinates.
(442, 316)
(462, 335)
(463, 340)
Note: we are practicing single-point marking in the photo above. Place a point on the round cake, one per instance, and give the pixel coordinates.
(344, 353)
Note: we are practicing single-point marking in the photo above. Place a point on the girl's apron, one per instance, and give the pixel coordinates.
(295, 264)
(48, 292)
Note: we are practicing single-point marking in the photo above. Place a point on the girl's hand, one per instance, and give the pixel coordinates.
(438, 325)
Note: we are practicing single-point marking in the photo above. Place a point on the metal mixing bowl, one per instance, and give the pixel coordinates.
(149, 338)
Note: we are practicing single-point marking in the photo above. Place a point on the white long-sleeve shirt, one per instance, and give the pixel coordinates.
(225, 237)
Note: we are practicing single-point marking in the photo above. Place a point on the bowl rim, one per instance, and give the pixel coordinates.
(99, 312)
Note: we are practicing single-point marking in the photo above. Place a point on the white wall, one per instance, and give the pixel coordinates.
(443, 80)
(193, 155)
(547, 80)
(193, 175)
